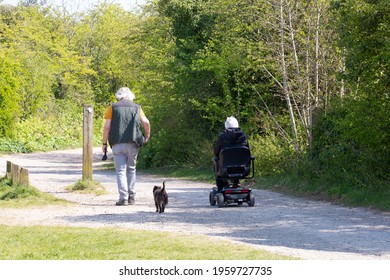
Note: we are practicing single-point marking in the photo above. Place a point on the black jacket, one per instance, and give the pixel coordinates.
(125, 123)
(231, 137)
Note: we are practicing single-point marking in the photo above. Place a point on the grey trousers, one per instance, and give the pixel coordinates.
(125, 159)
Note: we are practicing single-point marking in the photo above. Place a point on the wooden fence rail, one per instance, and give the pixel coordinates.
(17, 174)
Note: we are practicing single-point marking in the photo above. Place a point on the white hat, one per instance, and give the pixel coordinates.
(124, 92)
(231, 122)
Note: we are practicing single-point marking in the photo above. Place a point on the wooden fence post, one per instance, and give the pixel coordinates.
(24, 177)
(8, 172)
(15, 173)
(88, 143)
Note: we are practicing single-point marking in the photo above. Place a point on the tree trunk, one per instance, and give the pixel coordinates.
(285, 79)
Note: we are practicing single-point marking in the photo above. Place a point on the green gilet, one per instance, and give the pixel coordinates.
(125, 123)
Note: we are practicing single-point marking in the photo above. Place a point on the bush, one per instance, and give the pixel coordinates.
(52, 132)
(14, 146)
(273, 156)
(170, 149)
(351, 145)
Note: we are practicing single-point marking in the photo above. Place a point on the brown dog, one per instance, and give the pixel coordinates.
(160, 198)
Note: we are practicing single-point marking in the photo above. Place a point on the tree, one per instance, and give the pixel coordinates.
(9, 101)
(102, 36)
(364, 127)
(307, 77)
(42, 63)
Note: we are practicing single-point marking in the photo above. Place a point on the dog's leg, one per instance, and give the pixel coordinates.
(156, 206)
(161, 207)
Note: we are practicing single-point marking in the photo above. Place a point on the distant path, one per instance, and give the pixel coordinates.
(278, 223)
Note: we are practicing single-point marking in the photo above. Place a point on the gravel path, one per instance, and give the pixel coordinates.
(278, 223)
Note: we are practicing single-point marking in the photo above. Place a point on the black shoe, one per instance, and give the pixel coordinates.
(131, 200)
(122, 202)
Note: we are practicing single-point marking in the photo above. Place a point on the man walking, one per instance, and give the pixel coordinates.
(122, 130)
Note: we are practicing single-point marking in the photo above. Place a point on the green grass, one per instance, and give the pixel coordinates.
(347, 195)
(87, 187)
(65, 243)
(368, 198)
(19, 196)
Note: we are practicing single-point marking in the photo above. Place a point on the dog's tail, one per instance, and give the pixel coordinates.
(163, 186)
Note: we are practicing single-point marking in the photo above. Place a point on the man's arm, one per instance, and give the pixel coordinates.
(146, 125)
(106, 131)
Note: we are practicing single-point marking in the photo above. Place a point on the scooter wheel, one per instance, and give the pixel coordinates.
(220, 200)
(251, 202)
(212, 198)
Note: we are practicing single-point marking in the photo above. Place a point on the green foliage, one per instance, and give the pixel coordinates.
(9, 101)
(366, 48)
(349, 154)
(349, 157)
(351, 139)
(102, 38)
(351, 145)
(53, 129)
(272, 155)
(47, 79)
(30, 50)
(168, 148)
(12, 145)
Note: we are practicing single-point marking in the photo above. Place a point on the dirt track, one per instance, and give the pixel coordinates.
(278, 223)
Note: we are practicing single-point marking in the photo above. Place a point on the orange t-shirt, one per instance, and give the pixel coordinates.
(108, 114)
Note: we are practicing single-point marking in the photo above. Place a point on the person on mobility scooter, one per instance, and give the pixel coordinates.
(232, 162)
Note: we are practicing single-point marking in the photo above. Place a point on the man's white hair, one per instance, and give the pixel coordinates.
(124, 92)
(231, 122)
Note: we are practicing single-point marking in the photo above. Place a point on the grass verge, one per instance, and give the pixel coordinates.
(87, 187)
(188, 173)
(64, 243)
(19, 196)
(346, 195)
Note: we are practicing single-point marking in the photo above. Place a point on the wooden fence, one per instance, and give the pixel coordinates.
(17, 174)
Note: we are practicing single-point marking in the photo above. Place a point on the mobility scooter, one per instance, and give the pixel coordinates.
(232, 165)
